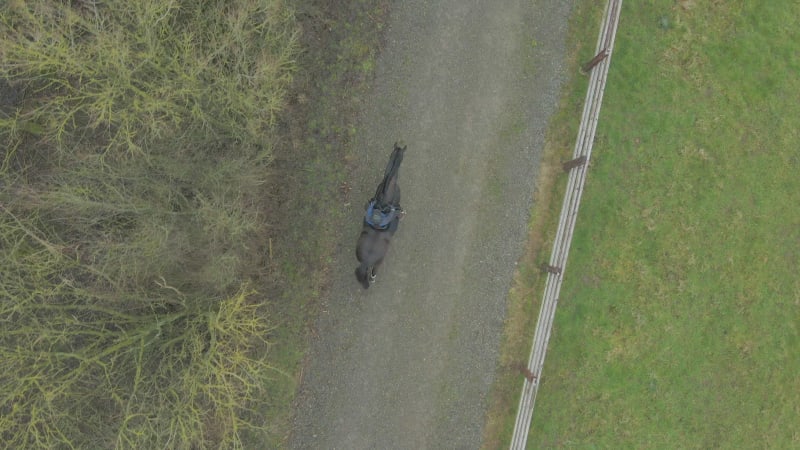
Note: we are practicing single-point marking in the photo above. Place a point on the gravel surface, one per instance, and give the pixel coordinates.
(468, 85)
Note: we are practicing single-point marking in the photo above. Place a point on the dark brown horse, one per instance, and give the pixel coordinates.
(380, 221)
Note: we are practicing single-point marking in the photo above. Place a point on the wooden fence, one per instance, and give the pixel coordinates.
(597, 69)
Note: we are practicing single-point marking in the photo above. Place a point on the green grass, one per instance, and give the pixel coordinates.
(678, 320)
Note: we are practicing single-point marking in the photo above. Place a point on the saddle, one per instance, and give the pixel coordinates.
(379, 216)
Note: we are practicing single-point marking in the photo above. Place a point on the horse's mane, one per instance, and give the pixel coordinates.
(390, 175)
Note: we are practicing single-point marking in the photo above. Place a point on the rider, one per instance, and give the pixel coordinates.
(381, 217)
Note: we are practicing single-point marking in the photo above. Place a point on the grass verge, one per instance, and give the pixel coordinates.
(340, 42)
(679, 311)
(525, 296)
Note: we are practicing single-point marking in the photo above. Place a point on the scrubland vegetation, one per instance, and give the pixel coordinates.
(136, 139)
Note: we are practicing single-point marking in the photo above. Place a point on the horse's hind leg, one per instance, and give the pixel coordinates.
(373, 271)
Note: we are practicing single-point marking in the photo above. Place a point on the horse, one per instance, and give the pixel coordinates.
(382, 217)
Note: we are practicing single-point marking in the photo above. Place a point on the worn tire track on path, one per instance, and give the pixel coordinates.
(469, 86)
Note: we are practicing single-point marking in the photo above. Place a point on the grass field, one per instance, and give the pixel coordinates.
(678, 320)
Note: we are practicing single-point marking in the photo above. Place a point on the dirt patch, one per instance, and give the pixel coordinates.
(468, 86)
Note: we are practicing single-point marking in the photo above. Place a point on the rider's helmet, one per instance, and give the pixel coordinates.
(377, 216)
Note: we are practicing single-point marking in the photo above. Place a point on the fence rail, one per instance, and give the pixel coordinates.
(597, 68)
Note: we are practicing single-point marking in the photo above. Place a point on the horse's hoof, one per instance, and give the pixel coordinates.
(371, 279)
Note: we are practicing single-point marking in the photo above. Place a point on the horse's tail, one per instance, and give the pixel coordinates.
(362, 275)
(391, 171)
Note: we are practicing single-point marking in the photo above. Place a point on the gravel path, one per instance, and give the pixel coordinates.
(468, 85)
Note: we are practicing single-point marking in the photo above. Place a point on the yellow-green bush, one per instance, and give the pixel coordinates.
(128, 74)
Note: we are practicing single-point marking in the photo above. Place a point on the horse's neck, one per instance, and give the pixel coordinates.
(387, 194)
